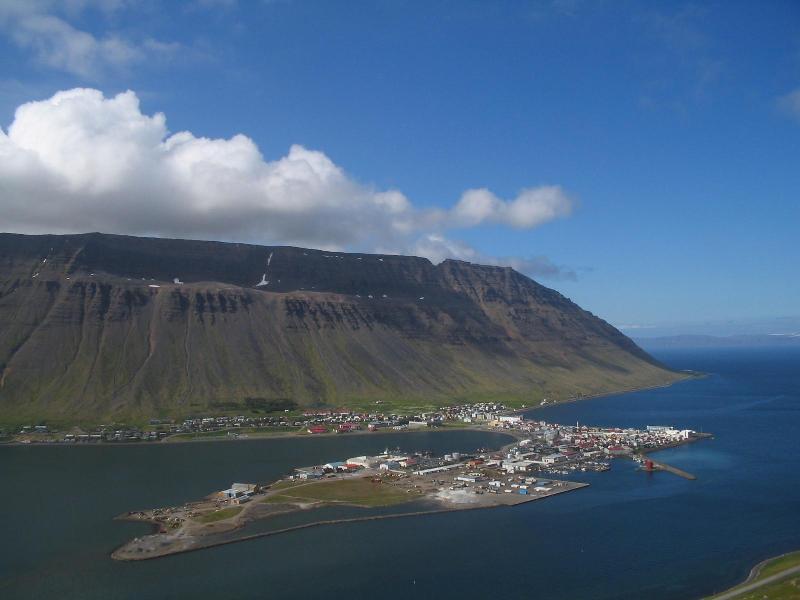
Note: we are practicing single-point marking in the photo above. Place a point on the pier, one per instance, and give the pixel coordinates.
(661, 466)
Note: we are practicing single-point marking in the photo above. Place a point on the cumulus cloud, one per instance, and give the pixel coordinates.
(79, 161)
(530, 208)
(53, 42)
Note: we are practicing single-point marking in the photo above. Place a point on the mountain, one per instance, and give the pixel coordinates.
(771, 340)
(97, 326)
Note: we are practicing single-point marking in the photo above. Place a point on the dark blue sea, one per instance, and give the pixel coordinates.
(630, 535)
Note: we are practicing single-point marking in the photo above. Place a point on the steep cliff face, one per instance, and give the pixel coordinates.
(100, 326)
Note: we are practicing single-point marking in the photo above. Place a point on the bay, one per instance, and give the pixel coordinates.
(629, 535)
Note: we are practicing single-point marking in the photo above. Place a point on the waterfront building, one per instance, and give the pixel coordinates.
(335, 466)
(364, 462)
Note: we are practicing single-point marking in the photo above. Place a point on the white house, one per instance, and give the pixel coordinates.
(552, 459)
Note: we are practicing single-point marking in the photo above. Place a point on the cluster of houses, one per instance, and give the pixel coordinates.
(543, 446)
(520, 459)
(101, 434)
(327, 421)
(314, 421)
(387, 461)
(218, 423)
(343, 421)
(553, 443)
(486, 472)
(549, 446)
(610, 440)
(117, 435)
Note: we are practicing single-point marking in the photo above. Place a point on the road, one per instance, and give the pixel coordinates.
(749, 587)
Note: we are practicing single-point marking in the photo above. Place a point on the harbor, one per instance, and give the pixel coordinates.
(396, 484)
(428, 484)
(524, 538)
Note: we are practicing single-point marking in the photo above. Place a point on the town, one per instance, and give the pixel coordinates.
(557, 447)
(312, 421)
(541, 447)
(520, 472)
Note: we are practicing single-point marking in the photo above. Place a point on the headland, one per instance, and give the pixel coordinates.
(394, 484)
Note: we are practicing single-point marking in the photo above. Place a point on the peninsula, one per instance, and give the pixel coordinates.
(396, 484)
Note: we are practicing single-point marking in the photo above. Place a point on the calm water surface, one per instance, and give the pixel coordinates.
(630, 535)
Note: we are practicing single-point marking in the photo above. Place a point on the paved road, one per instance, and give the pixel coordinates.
(757, 584)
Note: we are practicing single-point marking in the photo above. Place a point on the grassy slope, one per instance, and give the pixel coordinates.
(788, 589)
(782, 590)
(156, 363)
(219, 515)
(80, 348)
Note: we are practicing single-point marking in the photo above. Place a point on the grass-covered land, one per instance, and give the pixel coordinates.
(404, 405)
(362, 491)
(219, 515)
(785, 589)
(223, 433)
(285, 483)
(779, 564)
(280, 499)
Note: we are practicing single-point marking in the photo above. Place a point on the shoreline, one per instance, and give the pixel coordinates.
(255, 437)
(752, 583)
(116, 553)
(289, 530)
(309, 436)
(756, 570)
(754, 573)
(188, 536)
(299, 435)
(686, 377)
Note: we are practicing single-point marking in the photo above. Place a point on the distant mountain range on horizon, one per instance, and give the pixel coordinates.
(98, 326)
(754, 326)
(712, 341)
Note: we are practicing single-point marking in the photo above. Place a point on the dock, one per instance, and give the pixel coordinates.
(661, 466)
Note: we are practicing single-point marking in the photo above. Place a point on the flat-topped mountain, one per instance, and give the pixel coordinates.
(98, 326)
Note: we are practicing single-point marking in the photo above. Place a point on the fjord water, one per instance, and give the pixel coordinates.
(629, 535)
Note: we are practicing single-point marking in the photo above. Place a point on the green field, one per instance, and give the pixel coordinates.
(362, 491)
(779, 564)
(219, 515)
(280, 499)
(786, 589)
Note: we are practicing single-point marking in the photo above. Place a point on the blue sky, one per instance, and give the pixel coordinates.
(658, 142)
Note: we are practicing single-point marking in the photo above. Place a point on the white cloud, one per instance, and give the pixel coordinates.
(79, 161)
(530, 208)
(790, 104)
(436, 247)
(55, 43)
